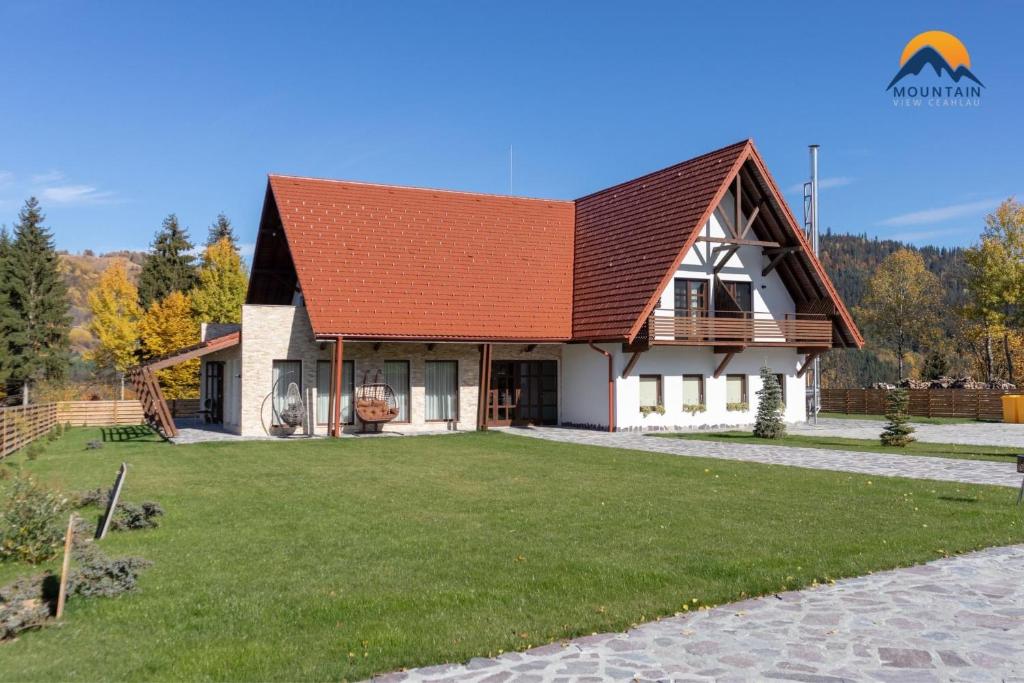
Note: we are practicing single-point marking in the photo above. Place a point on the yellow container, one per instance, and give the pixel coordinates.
(1019, 402)
(1012, 405)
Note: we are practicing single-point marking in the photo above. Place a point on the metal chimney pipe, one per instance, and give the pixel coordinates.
(816, 380)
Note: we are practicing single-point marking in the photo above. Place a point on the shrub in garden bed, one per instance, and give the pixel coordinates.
(31, 522)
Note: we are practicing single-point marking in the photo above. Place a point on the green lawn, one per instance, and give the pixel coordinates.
(938, 450)
(913, 418)
(337, 559)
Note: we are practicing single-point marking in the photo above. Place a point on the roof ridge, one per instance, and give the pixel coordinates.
(746, 141)
(419, 188)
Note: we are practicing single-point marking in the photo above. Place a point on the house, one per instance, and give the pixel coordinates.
(652, 304)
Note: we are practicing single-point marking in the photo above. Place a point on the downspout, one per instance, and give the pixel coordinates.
(611, 386)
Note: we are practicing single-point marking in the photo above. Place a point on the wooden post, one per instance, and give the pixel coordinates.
(484, 392)
(65, 566)
(339, 356)
(115, 495)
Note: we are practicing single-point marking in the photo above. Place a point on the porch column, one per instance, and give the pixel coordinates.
(485, 387)
(336, 394)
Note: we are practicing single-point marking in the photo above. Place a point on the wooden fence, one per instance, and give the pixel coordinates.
(979, 404)
(22, 425)
(183, 407)
(100, 413)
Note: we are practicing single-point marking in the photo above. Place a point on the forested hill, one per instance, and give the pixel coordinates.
(851, 259)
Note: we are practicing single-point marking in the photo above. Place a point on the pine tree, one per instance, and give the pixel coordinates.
(769, 423)
(166, 327)
(115, 319)
(897, 428)
(170, 266)
(39, 319)
(5, 311)
(220, 229)
(222, 285)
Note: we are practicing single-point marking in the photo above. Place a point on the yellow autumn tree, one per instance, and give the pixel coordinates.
(166, 327)
(219, 296)
(114, 302)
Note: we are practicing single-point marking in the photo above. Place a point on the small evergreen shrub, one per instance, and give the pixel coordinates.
(897, 430)
(98, 575)
(31, 522)
(769, 423)
(131, 516)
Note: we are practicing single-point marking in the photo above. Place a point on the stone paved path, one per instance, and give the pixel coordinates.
(977, 433)
(957, 619)
(878, 464)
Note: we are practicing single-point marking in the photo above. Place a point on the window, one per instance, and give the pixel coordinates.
(693, 390)
(396, 375)
(733, 299)
(650, 391)
(735, 388)
(284, 373)
(442, 390)
(691, 297)
(323, 391)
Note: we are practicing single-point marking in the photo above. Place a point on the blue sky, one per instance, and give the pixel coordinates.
(116, 114)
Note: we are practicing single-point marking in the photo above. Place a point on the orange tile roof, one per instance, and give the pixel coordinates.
(396, 262)
(629, 237)
(388, 262)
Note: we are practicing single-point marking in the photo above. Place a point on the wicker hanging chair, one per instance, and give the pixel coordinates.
(294, 413)
(375, 402)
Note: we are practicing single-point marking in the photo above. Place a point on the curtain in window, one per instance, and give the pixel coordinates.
(284, 372)
(735, 388)
(396, 374)
(323, 391)
(691, 390)
(441, 390)
(649, 391)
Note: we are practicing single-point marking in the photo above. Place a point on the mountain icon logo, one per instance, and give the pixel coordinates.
(942, 51)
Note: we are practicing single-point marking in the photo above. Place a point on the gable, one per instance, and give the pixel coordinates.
(630, 239)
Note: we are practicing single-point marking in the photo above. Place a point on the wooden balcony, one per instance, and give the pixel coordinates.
(742, 328)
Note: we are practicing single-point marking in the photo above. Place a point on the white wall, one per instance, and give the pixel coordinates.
(672, 362)
(584, 395)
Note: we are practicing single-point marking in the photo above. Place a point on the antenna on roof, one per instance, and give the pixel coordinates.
(510, 168)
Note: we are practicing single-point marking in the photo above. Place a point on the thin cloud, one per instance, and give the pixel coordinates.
(942, 213)
(925, 235)
(75, 194)
(824, 184)
(48, 177)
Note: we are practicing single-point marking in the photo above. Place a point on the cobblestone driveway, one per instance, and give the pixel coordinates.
(957, 619)
(977, 433)
(878, 464)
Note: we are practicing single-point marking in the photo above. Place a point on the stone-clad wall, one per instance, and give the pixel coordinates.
(272, 333)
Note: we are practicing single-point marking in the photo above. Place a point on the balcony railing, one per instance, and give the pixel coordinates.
(669, 326)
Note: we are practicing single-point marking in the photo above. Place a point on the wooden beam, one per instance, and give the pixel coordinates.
(728, 255)
(777, 255)
(750, 222)
(530, 348)
(339, 356)
(739, 242)
(729, 348)
(738, 213)
(631, 364)
(484, 390)
(725, 362)
(726, 223)
(808, 362)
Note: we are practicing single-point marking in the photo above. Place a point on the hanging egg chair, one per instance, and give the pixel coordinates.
(375, 402)
(294, 413)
